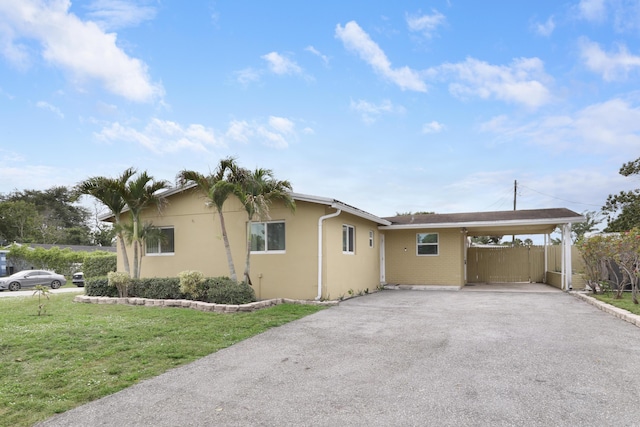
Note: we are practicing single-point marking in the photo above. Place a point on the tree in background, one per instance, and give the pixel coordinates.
(18, 222)
(622, 210)
(256, 191)
(216, 188)
(59, 220)
(578, 230)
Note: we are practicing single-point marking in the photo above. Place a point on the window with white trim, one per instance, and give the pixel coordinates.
(370, 238)
(267, 237)
(427, 244)
(164, 244)
(348, 239)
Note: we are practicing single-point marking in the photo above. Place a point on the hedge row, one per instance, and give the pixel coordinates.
(218, 290)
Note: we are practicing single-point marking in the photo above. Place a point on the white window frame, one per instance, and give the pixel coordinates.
(436, 244)
(371, 237)
(353, 238)
(266, 242)
(160, 253)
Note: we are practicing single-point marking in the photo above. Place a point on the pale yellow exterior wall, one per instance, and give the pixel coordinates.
(293, 274)
(405, 267)
(355, 272)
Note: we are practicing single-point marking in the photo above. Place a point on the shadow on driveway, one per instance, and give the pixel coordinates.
(409, 358)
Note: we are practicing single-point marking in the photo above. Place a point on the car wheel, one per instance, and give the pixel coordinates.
(14, 286)
(55, 284)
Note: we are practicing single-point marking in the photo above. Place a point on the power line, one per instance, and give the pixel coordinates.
(558, 198)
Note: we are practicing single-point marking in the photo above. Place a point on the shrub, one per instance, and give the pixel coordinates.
(156, 288)
(191, 284)
(222, 290)
(99, 287)
(99, 264)
(121, 281)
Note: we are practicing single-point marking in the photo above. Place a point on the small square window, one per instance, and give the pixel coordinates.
(267, 236)
(162, 244)
(427, 244)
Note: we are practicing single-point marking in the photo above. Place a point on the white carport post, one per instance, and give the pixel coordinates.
(546, 257)
(566, 257)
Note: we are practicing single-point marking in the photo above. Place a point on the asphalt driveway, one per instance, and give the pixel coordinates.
(409, 358)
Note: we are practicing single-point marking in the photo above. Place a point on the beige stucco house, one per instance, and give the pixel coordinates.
(327, 248)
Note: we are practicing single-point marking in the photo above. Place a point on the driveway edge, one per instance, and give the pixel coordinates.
(620, 313)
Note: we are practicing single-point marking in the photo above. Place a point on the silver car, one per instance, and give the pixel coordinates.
(29, 278)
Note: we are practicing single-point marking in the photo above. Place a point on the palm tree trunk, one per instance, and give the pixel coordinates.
(227, 247)
(136, 243)
(247, 278)
(125, 257)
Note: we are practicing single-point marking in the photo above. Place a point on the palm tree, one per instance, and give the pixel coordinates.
(139, 194)
(216, 189)
(256, 191)
(109, 191)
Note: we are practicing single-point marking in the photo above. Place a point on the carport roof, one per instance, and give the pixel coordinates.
(529, 221)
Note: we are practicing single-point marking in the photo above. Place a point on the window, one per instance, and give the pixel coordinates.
(162, 244)
(370, 238)
(427, 243)
(348, 239)
(267, 237)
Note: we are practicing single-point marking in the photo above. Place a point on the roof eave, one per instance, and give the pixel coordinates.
(487, 224)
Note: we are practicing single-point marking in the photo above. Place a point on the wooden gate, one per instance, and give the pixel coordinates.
(505, 264)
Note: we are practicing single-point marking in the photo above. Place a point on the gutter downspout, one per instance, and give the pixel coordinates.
(320, 221)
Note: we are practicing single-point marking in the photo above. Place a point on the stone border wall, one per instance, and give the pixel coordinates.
(620, 313)
(200, 305)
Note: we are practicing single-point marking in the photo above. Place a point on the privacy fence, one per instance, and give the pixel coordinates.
(516, 264)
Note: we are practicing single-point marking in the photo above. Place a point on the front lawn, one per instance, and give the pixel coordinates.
(625, 303)
(77, 353)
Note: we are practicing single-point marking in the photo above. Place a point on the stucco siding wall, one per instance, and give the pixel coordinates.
(405, 267)
(293, 274)
(356, 272)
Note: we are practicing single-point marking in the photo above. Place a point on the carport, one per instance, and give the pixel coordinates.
(496, 223)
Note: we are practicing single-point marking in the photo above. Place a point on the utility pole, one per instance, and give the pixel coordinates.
(515, 195)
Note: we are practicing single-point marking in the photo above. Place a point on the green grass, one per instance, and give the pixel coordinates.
(77, 352)
(625, 303)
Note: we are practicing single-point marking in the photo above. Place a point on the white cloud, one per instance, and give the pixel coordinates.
(277, 132)
(426, 24)
(282, 125)
(281, 65)
(545, 29)
(522, 82)
(611, 65)
(46, 106)
(598, 128)
(115, 14)
(162, 136)
(355, 39)
(433, 127)
(370, 112)
(315, 51)
(240, 131)
(592, 10)
(247, 76)
(79, 47)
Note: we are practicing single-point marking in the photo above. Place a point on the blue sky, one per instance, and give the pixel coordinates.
(388, 106)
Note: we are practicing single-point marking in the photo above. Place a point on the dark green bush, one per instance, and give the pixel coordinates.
(219, 290)
(99, 265)
(222, 290)
(99, 287)
(156, 288)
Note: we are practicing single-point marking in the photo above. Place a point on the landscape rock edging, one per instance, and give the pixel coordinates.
(620, 313)
(200, 305)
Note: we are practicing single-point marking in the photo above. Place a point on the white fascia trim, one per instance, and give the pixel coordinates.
(508, 223)
(335, 204)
